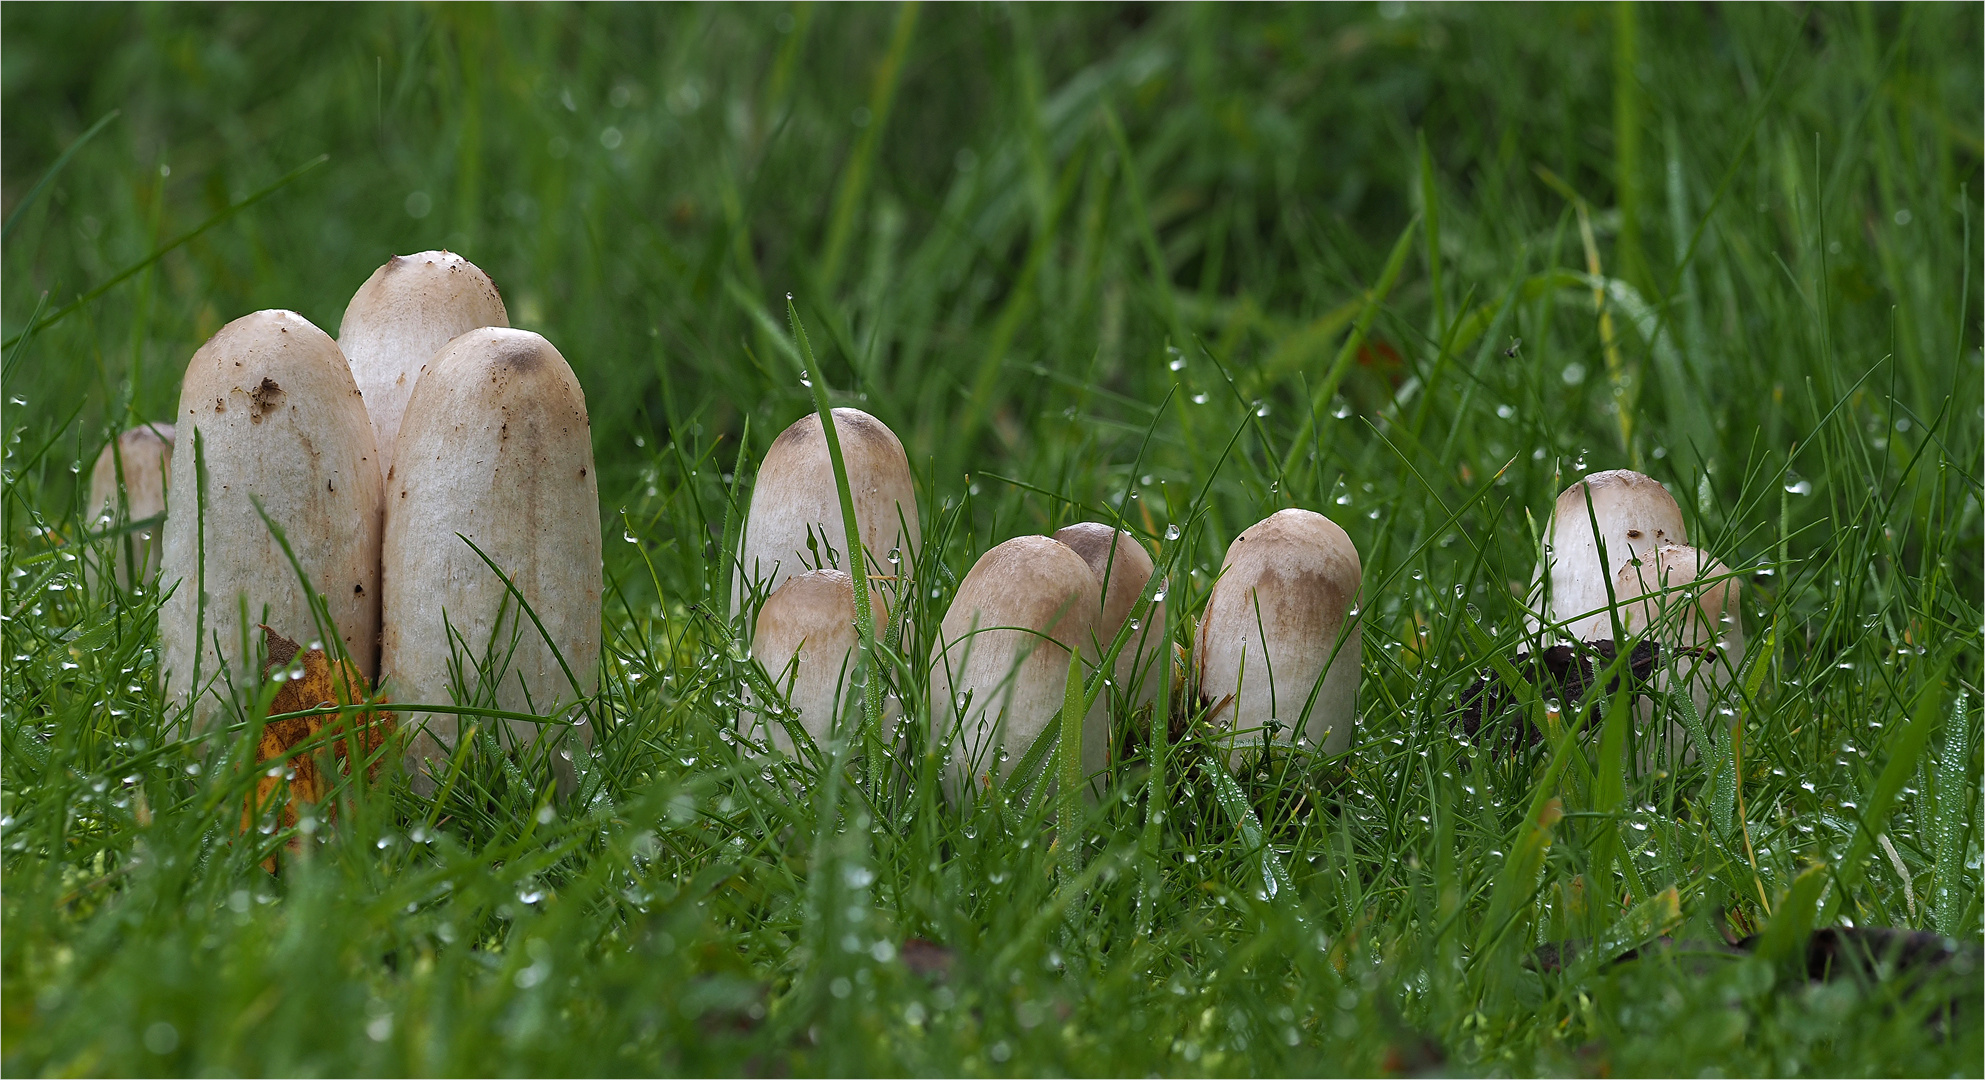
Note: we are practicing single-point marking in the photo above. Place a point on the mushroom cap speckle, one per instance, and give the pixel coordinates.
(806, 641)
(1122, 569)
(1635, 514)
(1005, 642)
(1278, 626)
(795, 493)
(403, 314)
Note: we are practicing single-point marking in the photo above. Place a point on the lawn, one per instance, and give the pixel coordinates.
(1179, 267)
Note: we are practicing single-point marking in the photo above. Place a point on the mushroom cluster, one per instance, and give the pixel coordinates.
(417, 499)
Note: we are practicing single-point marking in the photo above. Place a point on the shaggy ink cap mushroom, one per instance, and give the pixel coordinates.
(403, 314)
(999, 669)
(495, 447)
(795, 525)
(1635, 516)
(276, 418)
(1122, 569)
(142, 459)
(1698, 629)
(1278, 646)
(806, 640)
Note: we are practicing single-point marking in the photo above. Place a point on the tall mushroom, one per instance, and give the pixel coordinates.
(999, 669)
(1278, 646)
(1697, 630)
(795, 521)
(496, 449)
(403, 314)
(806, 641)
(272, 415)
(1635, 515)
(128, 483)
(1122, 569)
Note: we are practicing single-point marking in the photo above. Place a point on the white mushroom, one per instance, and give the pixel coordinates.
(496, 447)
(806, 641)
(1635, 515)
(139, 461)
(1278, 647)
(403, 314)
(1122, 568)
(1698, 630)
(999, 670)
(795, 520)
(275, 416)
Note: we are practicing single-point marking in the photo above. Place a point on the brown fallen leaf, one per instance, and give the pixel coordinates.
(300, 742)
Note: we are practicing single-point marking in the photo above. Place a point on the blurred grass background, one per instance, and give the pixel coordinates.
(1360, 242)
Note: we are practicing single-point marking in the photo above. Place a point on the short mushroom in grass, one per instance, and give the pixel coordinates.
(1278, 646)
(999, 670)
(274, 416)
(1122, 568)
(128, 484)
(1687, 604)
(805, 639)
(496, 448)
(1635, 515)
(403, 314)
(795, 522)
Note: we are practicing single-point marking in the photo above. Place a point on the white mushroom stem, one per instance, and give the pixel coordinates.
(1688, 604)
(274, 416)
(128, 483)
(1122, 569)
(495, 448)
(806, 641)
(999, 670)
(403, 314)
(1635, 515)
(1278, 646)
(795, 522)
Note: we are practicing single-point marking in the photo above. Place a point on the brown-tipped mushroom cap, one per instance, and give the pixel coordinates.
(278, 420)
(1003, 648)
(795, 493)
(1122, 568)
(143, 457)
(1279, 626)
(403, 314)
(806, 639)
(496, 447)
(1698, 629)
(1636, 515)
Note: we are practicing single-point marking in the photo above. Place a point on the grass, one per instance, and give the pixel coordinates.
(1412, 267)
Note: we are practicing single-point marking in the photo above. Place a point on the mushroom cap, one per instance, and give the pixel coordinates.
(1006, 642)
(1656, 590)
(403, 314)
(1122, 569)
(145, 453)
(1635, 514)
(496, 447)
(1279, 625)
(807, 625)
(279, 420)
(795, 493)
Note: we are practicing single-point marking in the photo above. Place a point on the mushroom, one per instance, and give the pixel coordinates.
(1697, 631)
(136, 464)
(1635, 514)
(272, 415)
(403, 314)
(1122, 569)
(806, 640)
(495, 447)
(1278, 647)
(795, 524)
(999, 669)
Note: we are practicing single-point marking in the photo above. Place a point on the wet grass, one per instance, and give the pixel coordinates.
(1413, 268)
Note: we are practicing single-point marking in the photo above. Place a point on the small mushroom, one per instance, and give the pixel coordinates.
(795, 521)
(1635, 514)
(496, 447)
(277, 419)
(1122, 568)
(403, 314)
(139, 461)
(1278, 647)
(1700, 627)
(999, 669)
(806, 641)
